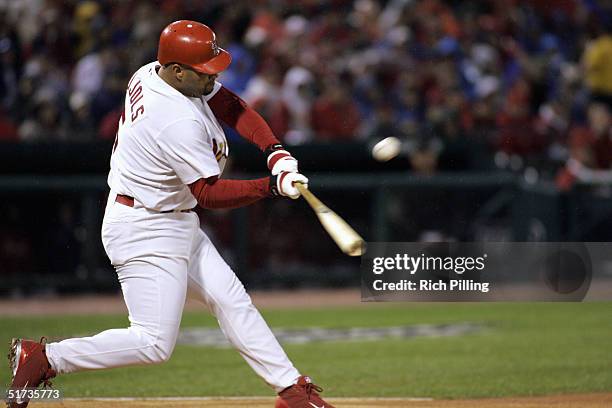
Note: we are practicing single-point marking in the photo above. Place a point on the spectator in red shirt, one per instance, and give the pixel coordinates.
(519, 132)
(590, 150)
(8, 130)
(335, 116)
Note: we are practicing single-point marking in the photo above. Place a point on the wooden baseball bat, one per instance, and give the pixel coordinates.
(345, 237)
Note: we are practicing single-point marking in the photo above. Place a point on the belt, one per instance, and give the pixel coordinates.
(129, 201)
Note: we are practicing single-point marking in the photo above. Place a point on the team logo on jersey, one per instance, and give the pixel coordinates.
(219, 150)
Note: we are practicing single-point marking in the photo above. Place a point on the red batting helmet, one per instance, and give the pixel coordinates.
(194, 44)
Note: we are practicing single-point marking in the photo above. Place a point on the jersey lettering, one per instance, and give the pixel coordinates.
(135, 94)
(139, 110)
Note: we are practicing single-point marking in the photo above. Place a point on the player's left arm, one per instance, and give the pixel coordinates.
(215, 193)
(236, 113)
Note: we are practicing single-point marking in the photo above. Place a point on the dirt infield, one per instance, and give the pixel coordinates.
(557, 401)
(266, 299)
(106, 304)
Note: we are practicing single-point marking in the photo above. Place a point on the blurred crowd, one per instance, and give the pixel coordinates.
(523, 84)
(525, 81)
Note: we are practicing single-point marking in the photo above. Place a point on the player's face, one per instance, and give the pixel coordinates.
(196, 84)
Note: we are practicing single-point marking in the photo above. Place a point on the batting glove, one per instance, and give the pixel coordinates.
(280, 160)
(282, 185)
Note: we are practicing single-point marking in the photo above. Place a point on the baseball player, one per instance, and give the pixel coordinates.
(167, 158)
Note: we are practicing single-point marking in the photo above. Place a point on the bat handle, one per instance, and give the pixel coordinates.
(314, 202)
(300, 187)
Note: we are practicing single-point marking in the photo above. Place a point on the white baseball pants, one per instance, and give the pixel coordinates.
(159, 258)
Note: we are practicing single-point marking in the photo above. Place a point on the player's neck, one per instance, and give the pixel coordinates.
(167, 76)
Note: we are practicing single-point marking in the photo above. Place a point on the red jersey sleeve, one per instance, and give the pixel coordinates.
(234, 112)
(215, 193)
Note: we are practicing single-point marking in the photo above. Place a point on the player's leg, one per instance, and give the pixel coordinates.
(153, 294)
(213, 282)
(151, 264)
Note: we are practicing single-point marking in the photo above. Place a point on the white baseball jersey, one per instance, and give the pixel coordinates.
(165, 141)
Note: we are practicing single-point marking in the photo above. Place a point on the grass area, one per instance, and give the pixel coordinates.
(526, 349)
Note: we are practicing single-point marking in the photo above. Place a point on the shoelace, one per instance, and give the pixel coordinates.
(310, 386)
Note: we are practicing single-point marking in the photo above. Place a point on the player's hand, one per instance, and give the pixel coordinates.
(282, 185)
(280, 160)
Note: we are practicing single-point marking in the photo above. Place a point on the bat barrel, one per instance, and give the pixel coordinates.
(343, 235)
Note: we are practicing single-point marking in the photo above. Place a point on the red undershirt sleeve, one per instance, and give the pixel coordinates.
(215, 193)
(234, 112)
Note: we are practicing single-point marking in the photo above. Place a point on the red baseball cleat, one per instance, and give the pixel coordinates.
(29, 366)
(304, 394)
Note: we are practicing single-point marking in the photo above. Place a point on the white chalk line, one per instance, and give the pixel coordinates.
(258, 398)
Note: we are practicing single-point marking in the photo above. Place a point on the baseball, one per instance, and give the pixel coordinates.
(386, 149)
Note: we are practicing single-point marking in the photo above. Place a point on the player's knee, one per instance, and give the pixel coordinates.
(161, 352)
(155, 350)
